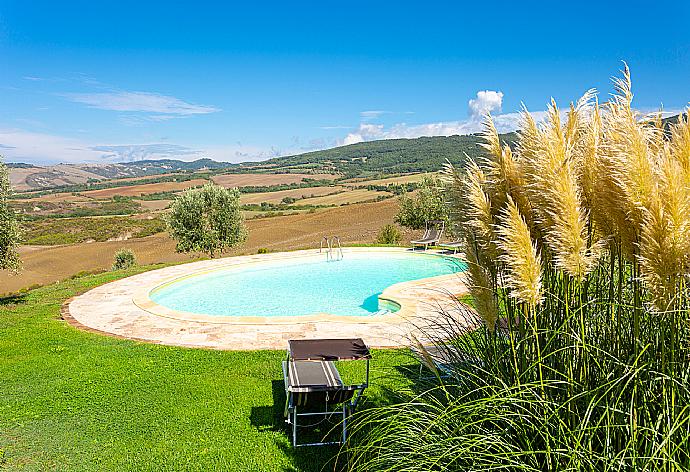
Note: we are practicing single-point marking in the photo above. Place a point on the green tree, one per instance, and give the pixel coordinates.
(207, 219)
(10, 236)
(428, 203)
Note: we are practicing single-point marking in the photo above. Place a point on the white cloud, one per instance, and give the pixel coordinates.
(365, 132)
(487, 101)
(140, 102)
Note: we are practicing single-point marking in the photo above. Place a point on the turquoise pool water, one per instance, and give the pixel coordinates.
(350, 286)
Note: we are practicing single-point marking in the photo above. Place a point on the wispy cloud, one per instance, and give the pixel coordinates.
(335, 127)
(373, 114)
(124, 101)
(41, 148)
(18, 145)
(140, 152)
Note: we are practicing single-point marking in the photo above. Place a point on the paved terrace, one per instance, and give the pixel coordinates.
(124, 309)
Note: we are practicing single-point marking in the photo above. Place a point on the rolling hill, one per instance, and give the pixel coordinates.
(365, 159)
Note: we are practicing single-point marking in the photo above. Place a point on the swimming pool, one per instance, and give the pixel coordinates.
(285, 288)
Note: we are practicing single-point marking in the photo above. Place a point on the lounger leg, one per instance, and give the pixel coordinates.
(294, 427)
(344, 423)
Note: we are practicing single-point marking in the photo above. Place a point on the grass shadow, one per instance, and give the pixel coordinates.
(270, 417)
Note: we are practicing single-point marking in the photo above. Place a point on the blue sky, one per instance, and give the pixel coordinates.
(112, 81)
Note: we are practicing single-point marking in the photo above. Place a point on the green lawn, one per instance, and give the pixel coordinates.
(71, 400)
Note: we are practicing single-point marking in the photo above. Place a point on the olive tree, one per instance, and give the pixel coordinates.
(428, 203)
(207, 219)
(10, 236)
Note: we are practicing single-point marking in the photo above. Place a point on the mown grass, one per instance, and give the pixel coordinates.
(73, 400)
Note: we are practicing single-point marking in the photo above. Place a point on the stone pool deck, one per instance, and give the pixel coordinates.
(124, 309)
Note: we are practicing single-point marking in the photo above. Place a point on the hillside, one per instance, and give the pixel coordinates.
(391, 156)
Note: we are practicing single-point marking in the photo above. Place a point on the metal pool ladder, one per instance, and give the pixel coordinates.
(334, 251)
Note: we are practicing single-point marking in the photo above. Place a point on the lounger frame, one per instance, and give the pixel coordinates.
(432, 234)
(337, 399)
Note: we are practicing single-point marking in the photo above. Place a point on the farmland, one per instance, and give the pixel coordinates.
(357, 223)
(75, 217)
(143, 189)
(297, 194)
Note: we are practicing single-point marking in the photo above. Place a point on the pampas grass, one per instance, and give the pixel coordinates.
(520, 256)
(577, 242)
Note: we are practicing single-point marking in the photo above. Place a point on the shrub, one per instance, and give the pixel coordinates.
(124, 259)
(86, 273)
(262, 250)
(389, 234)
(575, 355)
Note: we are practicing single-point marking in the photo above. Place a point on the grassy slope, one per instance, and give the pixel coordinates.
(73, 400)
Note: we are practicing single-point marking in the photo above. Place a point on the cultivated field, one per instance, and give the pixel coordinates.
(245, 180)
(154, 205)
(350, 196)
(297, 193)
(358, 223)
(143, 189)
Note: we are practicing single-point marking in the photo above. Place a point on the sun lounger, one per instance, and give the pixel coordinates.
(313, 386)
(432, 234)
